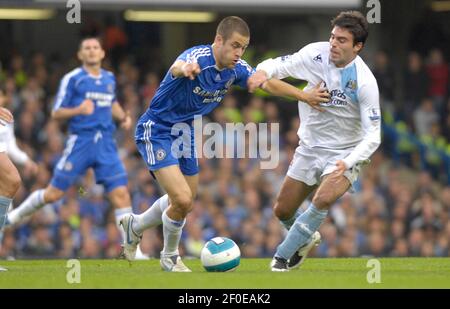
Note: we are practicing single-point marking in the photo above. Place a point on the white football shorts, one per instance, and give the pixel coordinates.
(310, 165)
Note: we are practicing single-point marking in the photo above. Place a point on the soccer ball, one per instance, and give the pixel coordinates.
(220, 254)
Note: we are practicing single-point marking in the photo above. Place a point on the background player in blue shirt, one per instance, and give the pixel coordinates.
(194, 85)
(87, 100)
(10, 178)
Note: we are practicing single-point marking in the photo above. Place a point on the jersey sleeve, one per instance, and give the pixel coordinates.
(16, 155)
(65, 92)
(243, 72)
(299, 65)
(370, 124)
(193, 54)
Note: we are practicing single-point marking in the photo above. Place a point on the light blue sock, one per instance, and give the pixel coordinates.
(4, 205)
(288, 223)
(300, 233)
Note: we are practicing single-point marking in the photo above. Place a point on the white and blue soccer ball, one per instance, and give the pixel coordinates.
(220, 254)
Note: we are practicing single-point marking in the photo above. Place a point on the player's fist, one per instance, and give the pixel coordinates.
(340, 168)
(316, 96)
(256, 80)
(6, 116)
(31, 168)
(191, 70)
(127, 122)
(86, 107)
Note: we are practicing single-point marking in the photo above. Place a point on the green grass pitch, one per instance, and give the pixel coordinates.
(252, 273)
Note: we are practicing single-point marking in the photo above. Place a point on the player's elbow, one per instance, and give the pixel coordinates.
(55, 115)
(376, 141)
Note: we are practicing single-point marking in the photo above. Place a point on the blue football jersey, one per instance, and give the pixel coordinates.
(77, 86)
(180, 99)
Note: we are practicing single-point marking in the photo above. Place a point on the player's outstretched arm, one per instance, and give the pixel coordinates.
(181, 68)
(313, 97)
(123, 117)
(63, 113)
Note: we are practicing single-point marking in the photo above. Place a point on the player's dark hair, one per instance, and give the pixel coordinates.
(355, 22)
(90, 38)
(231, 24)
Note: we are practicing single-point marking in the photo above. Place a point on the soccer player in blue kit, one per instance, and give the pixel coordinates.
(87, 100)
(194, 85)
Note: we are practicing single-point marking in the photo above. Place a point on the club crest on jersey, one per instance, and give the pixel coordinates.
(160, 154)
(374, 114)
(68, 166)
(351, 85)
(318, 58)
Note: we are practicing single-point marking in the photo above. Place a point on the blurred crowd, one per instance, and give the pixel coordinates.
(397, 210)
(416, 110)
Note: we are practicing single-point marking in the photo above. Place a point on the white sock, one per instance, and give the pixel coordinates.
(172, 234)
(32, 204)
(152, 216)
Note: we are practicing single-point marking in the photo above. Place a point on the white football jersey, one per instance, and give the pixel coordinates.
(8, 144)
(351, 119)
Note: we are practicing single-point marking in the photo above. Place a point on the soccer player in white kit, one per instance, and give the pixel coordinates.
(333, 143)
(8, 139)
(9, 176)
(8, 172)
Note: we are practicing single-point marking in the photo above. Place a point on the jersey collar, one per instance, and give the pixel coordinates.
(343, 68)
(93, 76)
(215, 62)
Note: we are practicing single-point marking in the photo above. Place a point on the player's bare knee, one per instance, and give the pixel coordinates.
(281, 212)
(120, 197)
(183, 202)
(52, 195)
(323, 200)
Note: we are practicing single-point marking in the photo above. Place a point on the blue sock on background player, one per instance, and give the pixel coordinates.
(300, 233)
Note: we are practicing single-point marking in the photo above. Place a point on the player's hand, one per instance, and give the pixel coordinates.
(127, 121)
(86, 107)
(191, 70)
(30, 168)
(316, 96)
(6, 116)
(256, 80)
(340, 168)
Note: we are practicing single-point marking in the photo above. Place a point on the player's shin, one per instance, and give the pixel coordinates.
(32, 204)
(301, 232)
(172, 230)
